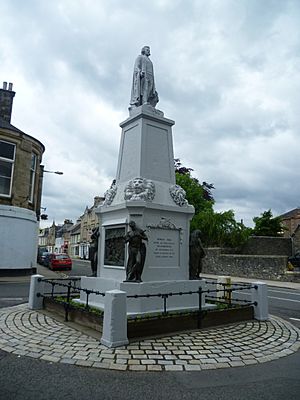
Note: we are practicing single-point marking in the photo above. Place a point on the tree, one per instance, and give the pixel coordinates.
(267, 225)
(218, 229)
(198, 195)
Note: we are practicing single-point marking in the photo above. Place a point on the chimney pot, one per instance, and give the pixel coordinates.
(6, 101)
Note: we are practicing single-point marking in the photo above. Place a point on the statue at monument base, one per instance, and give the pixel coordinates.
(136, 253)
(196, 253)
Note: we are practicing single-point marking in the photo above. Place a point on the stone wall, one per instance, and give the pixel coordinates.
(296, 240)
(264, 245)
(250, 266)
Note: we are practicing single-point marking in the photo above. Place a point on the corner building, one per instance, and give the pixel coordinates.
(21, 176)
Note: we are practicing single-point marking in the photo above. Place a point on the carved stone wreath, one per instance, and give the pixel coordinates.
(164, 223)
(178, 195)
(139, 189)
(109, 195)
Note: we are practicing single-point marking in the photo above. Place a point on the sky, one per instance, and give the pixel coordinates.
(227, 72)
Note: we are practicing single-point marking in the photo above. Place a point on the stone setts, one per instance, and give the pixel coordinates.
(29, 333)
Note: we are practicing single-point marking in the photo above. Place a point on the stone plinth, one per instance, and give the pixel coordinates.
(145, 192)
(146, 152)
(143, 305)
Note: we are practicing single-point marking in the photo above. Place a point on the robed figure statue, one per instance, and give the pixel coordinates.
(197, 253)
(143, 87)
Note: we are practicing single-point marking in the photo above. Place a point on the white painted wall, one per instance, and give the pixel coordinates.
(18, 238)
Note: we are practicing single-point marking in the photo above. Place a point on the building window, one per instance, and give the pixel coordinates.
(7, 159)
(32, 177)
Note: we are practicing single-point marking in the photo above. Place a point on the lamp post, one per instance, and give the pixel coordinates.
(42, 170)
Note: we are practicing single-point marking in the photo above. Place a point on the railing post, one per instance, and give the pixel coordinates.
(224, 282)
(259, 296)
(37, 286)
(199, 323)
(165, 296)
(115, 319)
(67, 306)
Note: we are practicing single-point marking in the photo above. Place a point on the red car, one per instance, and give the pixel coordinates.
(58, 261)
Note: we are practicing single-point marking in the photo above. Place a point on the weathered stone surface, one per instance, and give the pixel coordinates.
(264, 245)
(251, 266)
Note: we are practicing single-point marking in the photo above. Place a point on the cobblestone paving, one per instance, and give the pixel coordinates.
(29, 333)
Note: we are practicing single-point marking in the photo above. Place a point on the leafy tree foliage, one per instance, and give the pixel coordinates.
(199, 195)
(267, 225)
(218, 229)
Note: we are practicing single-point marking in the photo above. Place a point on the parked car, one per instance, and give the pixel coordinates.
(295, 260)
(42, 251)
(58, 261)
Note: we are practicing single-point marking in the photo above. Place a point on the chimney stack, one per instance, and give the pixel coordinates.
(6, 101)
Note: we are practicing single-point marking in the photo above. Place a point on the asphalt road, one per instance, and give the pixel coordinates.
(23, 378)
(285, 303)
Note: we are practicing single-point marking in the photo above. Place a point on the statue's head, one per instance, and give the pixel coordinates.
(196, 234)
(146, 50)
(132, 224)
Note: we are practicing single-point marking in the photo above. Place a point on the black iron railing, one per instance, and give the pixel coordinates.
(225, 298)
(68, 290)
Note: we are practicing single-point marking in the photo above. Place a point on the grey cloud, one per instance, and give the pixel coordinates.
(226, 72)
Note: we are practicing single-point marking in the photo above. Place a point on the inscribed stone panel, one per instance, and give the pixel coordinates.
(165, 246)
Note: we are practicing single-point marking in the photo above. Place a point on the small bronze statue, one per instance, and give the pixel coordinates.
(136, 253)
(197, 253)
(94, 250)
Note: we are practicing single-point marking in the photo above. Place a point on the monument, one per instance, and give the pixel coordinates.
(144, 234)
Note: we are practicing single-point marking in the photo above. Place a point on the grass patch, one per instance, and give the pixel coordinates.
(74, 305)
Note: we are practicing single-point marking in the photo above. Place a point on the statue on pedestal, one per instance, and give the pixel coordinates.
(136, 253)
(197, 253)
(143, 87)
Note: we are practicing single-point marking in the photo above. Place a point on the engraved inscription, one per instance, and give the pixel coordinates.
(164, 248)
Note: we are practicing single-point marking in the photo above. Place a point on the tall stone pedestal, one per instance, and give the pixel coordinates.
(145, 192)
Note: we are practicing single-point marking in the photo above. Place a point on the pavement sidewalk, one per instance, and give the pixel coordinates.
(280, 284)
(47, 273)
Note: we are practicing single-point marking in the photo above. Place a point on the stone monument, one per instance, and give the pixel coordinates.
(145, 192)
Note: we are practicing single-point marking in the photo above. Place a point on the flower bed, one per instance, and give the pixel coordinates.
(156, 324)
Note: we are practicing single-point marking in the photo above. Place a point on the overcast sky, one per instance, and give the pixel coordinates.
(227, 72)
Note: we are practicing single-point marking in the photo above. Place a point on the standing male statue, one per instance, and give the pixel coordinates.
(93, 252)
(143, 87)
(197, 253)
(136, 253)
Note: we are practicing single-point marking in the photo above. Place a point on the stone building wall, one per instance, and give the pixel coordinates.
(20, 191)
(25, 146)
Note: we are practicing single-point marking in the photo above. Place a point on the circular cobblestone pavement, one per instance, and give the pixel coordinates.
(32, 334)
